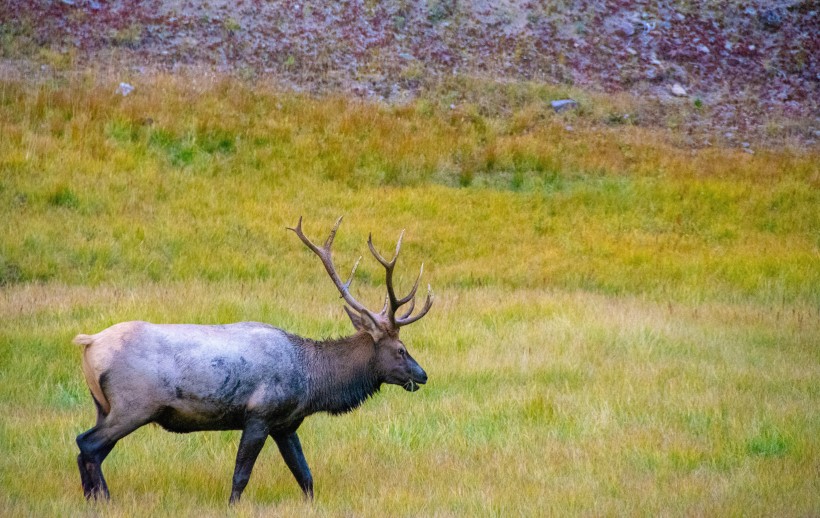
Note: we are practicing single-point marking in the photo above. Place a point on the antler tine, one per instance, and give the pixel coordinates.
(327, 262)
(303, 237)
(352, 273)
(332, 236)
(392, 262)
(412, 295)
(409, 310)
(398, 245)
(427, 305)
(388, 267)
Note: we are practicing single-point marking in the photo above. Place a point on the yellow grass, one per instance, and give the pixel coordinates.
(621, 326)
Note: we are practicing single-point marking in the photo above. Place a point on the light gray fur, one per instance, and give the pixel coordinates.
(195, 377)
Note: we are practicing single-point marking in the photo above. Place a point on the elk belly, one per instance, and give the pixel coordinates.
(213, 398)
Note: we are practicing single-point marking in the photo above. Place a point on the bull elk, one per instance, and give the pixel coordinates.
(246, 376)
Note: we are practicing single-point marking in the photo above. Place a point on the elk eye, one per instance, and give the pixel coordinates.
(403, 352)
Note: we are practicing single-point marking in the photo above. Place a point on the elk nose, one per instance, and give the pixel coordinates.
(420, 376)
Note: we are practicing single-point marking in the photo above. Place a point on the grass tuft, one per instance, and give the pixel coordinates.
(768, 442)
(63, 196)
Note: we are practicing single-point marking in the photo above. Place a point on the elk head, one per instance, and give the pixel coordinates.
(392, 361)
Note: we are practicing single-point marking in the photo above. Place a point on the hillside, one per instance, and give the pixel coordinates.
(716, 72)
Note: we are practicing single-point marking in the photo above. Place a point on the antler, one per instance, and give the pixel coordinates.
(327, 262)
(393, 303)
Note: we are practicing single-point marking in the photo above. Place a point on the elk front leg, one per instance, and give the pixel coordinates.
(291, 450)
(253, 438)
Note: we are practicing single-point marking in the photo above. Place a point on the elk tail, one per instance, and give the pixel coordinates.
(85, 340)
(90, 374)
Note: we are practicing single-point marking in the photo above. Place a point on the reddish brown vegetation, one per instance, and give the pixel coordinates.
(743, 60)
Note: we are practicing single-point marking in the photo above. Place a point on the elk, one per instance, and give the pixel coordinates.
(245, 376)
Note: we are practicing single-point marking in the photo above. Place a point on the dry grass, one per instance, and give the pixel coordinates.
(622, 327)
(540, 402)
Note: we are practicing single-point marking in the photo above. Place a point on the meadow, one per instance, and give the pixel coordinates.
(622, 326)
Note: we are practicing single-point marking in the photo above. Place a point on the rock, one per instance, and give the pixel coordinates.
(771, 19)
(619, 25)
(678, 91)
(124, 89)
(563, 105)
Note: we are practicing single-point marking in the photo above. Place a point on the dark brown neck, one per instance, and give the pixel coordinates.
(341, 373)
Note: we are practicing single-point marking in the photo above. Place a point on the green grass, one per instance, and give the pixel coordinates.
(622, 326)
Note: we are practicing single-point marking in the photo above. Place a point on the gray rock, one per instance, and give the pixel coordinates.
(563, 105)
(620, 25)
(124, 89)
(678, 91)
(771, 19)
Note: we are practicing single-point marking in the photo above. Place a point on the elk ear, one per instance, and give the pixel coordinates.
(364, 321)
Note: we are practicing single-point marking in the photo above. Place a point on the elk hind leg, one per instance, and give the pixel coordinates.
(92, 452)
(95, 445)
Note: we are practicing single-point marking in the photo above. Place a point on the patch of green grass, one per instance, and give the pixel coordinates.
(183, 150)
(63, 196)
(768, 442)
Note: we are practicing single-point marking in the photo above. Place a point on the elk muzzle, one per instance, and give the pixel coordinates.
(417, 377)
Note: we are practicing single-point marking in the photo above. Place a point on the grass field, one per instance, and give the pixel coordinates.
(621, 327)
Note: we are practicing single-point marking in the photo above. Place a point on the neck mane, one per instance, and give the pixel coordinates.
(341, 372)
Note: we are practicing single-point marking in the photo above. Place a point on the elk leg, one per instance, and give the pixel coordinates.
(89, 461)
(291, 450)
(95, 445)
(253, 438)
